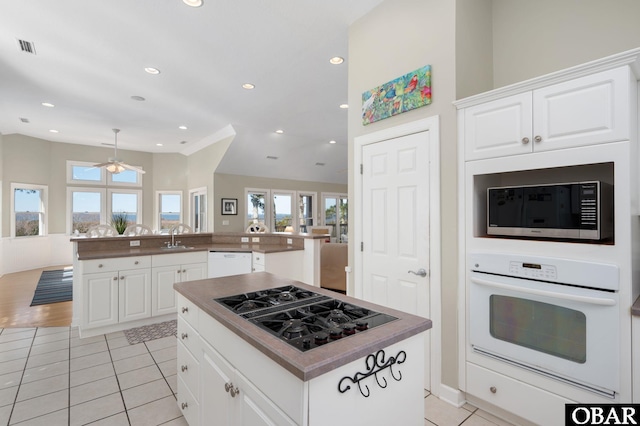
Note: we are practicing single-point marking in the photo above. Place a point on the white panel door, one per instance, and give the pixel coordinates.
(134, 294)
(396, 223)
(100, 294)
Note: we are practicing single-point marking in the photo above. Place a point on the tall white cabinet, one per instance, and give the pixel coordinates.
(572, 125)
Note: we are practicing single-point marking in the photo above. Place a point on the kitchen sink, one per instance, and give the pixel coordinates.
(177, 248)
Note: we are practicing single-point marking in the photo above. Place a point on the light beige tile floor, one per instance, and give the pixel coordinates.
(50, 377)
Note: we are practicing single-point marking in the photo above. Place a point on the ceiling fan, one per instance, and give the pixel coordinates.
(115, 165)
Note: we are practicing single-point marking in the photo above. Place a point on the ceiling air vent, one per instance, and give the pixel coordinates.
(271, 157)
(27, 46)
(320, 164)
(24, 120)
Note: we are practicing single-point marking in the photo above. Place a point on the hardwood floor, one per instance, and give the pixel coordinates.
(16, 292)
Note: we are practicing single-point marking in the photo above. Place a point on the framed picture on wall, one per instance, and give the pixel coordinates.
(229, 206)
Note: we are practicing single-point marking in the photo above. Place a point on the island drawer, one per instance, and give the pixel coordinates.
(115, 264)
(188, 369)
(188, 404)
(188, 337)
(187, 310)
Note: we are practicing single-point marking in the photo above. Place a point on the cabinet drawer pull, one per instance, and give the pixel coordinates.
(493, 389)
(184, 405)
(184, 368)
(185, 309)
(538, 139)
(525, 141)
(136, 262)
(100, 265)
(184, 336)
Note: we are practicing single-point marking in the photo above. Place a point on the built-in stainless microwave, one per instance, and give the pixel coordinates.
(575, 210)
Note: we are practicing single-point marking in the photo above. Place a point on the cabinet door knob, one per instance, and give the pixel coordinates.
(185, 309)
(234, 392)
(538, 139)
(100, 265)
(184, 405)
(493, 389)
(136, 262)
(115, 278)
(228, 386)
(184, 336)
(179, 271)
(525, 141)
(184, 270)
(184, 368)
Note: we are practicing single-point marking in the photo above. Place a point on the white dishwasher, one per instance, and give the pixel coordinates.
(223, 264)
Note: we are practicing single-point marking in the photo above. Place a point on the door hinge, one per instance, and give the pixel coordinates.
(361, 246)
(361, 169)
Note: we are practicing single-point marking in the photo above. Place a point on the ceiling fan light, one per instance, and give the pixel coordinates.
(114, 168)
(193, 3)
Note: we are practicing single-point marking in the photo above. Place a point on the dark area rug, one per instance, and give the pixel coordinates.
(151, 332)
(53, 287)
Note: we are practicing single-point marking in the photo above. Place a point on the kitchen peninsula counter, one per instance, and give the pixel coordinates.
(304, 365)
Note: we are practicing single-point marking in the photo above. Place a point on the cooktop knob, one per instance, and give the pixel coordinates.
(349, 328)
(306, 343)
(335, 333)
(362, 325)
(321, 338)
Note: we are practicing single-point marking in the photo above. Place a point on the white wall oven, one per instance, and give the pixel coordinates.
(556, 317)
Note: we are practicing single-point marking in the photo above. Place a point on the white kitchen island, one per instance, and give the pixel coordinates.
(231, 372)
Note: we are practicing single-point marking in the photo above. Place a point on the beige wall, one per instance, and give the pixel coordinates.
(233, 186)
(474, 47)
(392, 40)
(533, 38)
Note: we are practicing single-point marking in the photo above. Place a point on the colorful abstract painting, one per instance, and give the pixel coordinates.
(403, 94)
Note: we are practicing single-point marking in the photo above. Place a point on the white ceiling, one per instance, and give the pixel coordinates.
(90, 59)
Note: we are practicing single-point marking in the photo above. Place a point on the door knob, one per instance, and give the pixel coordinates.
(420, 272)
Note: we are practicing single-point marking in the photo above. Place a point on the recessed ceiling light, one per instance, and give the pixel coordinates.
(53, 131)
(344, 106)
(138, 98)
(159, 144)
(48, 104)
(182, 127)
(152, 70)
(193, 3)
(332, 142)
(279, 131)
(248, 86)
(336, 60)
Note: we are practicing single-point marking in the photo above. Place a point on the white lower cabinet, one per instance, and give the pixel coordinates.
(231, 399)
(164, 300)
(116, 290)
(287, 264)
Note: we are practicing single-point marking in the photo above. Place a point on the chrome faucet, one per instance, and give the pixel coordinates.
(173, 243)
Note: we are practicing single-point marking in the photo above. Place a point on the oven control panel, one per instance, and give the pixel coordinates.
(536, 271)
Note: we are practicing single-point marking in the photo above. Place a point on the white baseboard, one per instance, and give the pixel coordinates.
(453, 396)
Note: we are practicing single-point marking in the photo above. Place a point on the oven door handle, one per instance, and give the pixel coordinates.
(582, 299)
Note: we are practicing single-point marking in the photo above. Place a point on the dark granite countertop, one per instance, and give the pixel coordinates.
(635, 308)
(304, 365)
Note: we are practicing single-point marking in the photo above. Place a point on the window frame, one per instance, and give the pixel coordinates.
(72, 181)
(267, 204)
(158, 210)
(202, 226)
(43, 225)
(292, 207)
(335, 236)
(136, 184)
(314, 209)
(103, 204)
(137, 192)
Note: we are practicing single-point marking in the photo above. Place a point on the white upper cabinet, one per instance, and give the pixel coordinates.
(584, 111)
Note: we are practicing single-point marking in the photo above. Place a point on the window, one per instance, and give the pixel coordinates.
(29, 207)
(335, 213)
(257, 207)
(169, 209)
(198, 209)
(125, 178)
(283, 211)
(127, 202)
(306, 212)
(80, 172)
(86, 208)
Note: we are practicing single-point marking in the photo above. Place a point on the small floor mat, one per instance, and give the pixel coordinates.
(54, 286)
(151, 332)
